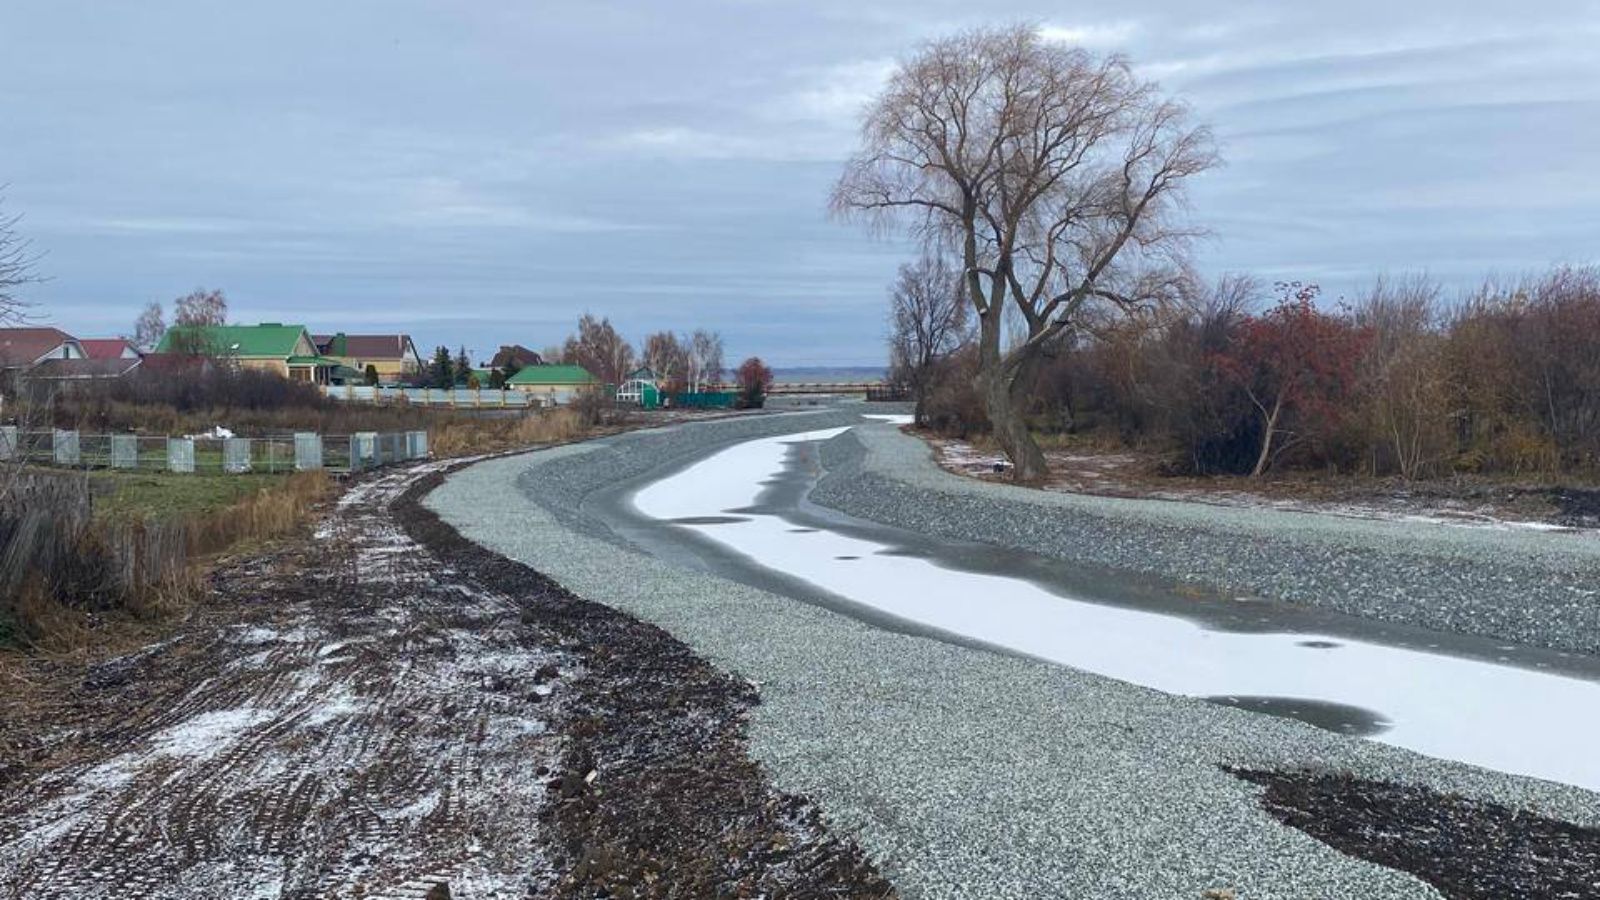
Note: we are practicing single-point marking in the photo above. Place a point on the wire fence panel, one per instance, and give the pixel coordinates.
(8, 441)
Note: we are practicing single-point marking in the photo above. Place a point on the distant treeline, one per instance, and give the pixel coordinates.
(1402, 380)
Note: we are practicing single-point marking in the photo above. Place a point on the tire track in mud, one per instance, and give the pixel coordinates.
(388, 708)
(374, 728)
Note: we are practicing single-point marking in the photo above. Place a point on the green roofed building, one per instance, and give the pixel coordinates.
(554, 385)
(286, 350)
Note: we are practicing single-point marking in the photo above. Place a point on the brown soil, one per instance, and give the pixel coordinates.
(1466, 849)
(657, 795)
(386, 710)
(1466, 499)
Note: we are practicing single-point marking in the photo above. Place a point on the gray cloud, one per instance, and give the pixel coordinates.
(480, 173)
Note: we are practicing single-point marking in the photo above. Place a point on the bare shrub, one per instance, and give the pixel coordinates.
(1402, 423)
(954, 407)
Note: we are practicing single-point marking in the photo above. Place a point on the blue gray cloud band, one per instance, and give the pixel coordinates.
(483, 173)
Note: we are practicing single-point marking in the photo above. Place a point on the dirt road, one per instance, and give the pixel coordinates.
(385, 711)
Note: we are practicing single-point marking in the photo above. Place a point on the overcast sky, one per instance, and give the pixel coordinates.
(484, 172)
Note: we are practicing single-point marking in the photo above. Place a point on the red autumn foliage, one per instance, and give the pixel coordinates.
(754, 378)
(1298, 366)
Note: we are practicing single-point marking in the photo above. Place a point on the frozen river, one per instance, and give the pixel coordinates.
(1521, 711)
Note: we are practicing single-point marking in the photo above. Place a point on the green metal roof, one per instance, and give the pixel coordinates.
(315, 361)
(266, 340)
(552, 375)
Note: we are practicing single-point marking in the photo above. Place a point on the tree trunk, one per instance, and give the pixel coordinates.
(1006, 382)
(1266, 439)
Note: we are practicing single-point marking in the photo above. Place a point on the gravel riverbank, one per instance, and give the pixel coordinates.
(962, 772)
(1524, 587)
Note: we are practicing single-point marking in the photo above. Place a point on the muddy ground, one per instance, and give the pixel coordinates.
(1467, 849)
(387, 711)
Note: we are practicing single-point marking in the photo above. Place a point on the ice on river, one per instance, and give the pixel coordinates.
(1500, 717)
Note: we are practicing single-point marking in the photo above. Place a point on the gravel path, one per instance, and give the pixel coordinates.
(962, 772)
(1527, 587)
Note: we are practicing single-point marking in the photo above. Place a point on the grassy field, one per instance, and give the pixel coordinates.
(168, 496)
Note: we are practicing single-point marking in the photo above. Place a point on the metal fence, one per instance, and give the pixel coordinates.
(300, 451)
(460, 398)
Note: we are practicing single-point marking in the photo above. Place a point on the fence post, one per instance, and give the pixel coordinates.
(236, 455)
(64, 447)
(124, 451)
(180, 454)
(8, 441)
(363, 445)
(307, 451)
(416, 444)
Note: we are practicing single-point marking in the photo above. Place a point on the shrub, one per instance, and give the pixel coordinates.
(754, 379)
(954, 407)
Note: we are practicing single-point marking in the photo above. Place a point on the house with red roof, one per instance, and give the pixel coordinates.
(108, 348)
(23, 348)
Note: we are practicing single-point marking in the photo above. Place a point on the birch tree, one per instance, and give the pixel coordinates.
(705, 359)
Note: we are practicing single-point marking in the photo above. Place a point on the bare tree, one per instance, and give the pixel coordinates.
(599, 348)
(1055, 172)
(17, 261)
(193, 315)
(201, 307)
(149, 327)
(928, 322)
(667, 357)
(705, 359)
(1405, 408)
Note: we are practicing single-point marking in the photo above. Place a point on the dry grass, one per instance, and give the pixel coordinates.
(268, 514)
(465, 438)
(104, 583)
(90, 584)
(1048, 441)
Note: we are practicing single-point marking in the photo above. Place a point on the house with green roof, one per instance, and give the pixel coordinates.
(553, 385)
(285, 350)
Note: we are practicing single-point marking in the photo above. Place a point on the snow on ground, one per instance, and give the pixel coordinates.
(1452, 707)
(377, 733)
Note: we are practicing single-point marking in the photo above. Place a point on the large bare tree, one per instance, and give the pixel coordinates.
(16, 268)
(149, 327)
(17, 261)
(1054, 173)
(599, 348)
(193, 315)
(927, 321)
(668, 358)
